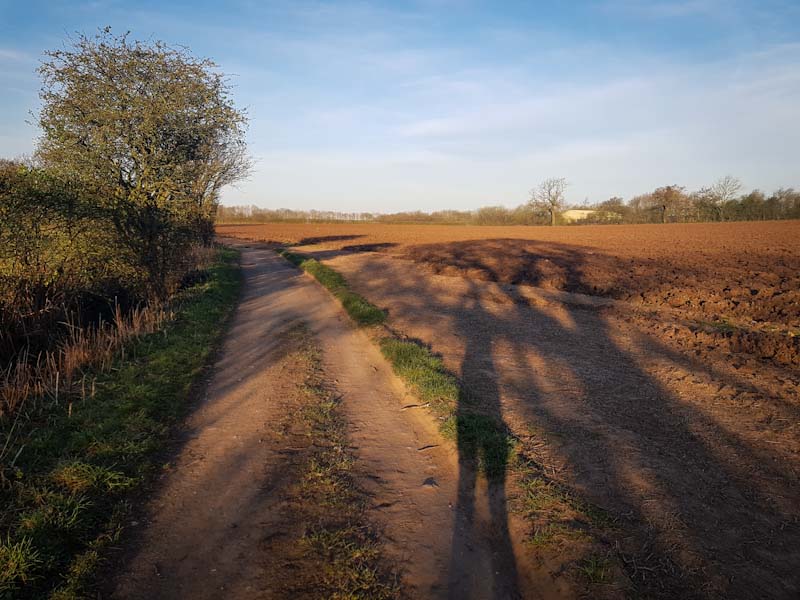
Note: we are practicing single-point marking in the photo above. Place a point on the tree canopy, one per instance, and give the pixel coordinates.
(150, 131)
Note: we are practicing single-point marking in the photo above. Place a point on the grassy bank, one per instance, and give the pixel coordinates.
(484, 438)
(558, 518)
(68, 469)
(360, 310)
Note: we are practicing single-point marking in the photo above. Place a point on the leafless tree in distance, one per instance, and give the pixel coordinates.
(723, 191)
(549, 196)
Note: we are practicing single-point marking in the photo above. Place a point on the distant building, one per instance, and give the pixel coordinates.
(585, 214)
(577, 214)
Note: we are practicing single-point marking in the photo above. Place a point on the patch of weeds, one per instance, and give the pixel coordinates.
(550, 534)
(359, 308)
(349, 557)
(552, 512)
(556, 513)
(482, 439)
(424, 372)
(329, 278)
(82, 569)
(78, 477)
(343, 548)
(541, 496)
(596, 569)
(721, 325)
(66, 498)
(19, 563)
(55, 521)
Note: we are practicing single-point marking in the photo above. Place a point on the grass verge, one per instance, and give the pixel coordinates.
(69, 470)
(556, 515)
(481, 438)
(360, 310)
(559, 520)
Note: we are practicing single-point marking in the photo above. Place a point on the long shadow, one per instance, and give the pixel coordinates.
(322, 239)
(757, 286)
(638, 454)
(375, 247)
(328, 254)
(703, 513)
(482, 446)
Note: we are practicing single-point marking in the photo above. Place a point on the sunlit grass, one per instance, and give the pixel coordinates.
(360, 310)
(64, 494)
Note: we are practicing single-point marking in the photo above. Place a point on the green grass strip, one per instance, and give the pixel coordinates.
(66, 496)
(360, 310)
(424, 372)
(481, 438)
(485, 441)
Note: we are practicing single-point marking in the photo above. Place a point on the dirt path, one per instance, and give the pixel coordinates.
(208, 523)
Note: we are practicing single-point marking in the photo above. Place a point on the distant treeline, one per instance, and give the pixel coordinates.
(668, 204)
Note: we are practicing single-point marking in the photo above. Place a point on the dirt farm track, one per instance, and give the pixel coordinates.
(653, 370)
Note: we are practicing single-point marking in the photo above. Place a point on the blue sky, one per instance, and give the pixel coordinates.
(433, 104)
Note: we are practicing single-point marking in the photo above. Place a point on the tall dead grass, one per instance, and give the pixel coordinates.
(61, 374)
(67, 372)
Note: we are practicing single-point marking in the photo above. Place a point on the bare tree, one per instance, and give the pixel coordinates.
(723, 191)
(549, 196)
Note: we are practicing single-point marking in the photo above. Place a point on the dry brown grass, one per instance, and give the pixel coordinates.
(62, 373)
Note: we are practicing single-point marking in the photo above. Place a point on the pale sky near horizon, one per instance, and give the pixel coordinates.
(436, 104)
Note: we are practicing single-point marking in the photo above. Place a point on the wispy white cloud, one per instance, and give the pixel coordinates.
(11, 55)
(619, 135)
(437, 103)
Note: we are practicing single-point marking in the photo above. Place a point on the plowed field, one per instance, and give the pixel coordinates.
(740, 279)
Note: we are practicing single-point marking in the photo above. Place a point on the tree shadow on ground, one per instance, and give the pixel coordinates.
(324, 239)
(755, 286)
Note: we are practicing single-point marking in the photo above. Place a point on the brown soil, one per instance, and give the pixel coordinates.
(219, 525)
(698, 456)
(664, 413)
(739, 282)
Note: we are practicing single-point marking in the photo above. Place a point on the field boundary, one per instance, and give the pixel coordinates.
(79, 468)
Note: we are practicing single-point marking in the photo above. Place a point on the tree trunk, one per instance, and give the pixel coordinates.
(552, 216)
